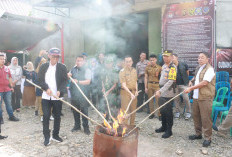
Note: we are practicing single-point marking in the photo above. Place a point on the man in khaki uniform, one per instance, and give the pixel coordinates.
(151, 82)
(129, 90)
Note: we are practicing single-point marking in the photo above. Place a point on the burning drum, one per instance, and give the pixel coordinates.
(105, 145)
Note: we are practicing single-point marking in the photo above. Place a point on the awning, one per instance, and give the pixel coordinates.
(19, 33)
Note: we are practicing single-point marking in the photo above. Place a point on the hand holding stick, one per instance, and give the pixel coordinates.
(154, 112)
(89, 101)
(127, 116)
(131, 102)
(67, 104)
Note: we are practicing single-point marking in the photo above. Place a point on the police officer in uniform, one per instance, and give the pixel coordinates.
(82, 76)
(151, 82)
(166, 92)
(129, 90)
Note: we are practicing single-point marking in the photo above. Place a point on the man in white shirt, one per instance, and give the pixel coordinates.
(203, 94)
(52, 77)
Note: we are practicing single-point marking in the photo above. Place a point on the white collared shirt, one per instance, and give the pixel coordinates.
(50, 79)
(209, 74)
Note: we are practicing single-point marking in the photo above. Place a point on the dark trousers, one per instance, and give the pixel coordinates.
(142, 95)
(166, 113)
(16, 96)
(56, 107)
(76, 114)
(97, 98)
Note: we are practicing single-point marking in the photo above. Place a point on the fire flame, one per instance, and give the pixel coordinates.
(123, 132)
(115, 124)
(120, 116)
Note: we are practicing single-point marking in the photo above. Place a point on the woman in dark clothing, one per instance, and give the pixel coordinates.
(29, 89)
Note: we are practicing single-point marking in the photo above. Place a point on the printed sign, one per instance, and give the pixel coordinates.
(188, 29)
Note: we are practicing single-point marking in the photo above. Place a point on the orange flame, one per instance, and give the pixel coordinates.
(115, 127)
(120, 116)
(116, 123)
(124, 131)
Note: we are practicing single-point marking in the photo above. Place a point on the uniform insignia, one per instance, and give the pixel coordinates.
(172, 74)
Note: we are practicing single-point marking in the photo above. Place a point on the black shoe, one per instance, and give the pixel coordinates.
(75, 128)
(206, 143)
(167, 134)
(57, 138)
(36, 113)
(151, 116)
(161, 129)
(195, 137)
(1, 121)
(47, 141)
(13, 118)
(2, 137)
(215, 128)
(86, 131)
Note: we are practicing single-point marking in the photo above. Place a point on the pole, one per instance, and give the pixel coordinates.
(154, 112)
(141, 106)
(90, 102)
(67, 104)
(62, 43)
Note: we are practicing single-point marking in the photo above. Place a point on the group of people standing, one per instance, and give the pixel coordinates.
(121, 85)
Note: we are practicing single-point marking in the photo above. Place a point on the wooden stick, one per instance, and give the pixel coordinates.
(90, 102)
(107, 103)
(127, 116)
(154, 112)
(130, 103)
(67, 104)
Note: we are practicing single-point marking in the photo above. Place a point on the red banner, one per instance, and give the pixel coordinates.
(224, 60)
(188, 29)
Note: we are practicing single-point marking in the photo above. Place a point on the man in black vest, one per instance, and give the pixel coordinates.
(182, 82)
(52, 77)
(82, 77)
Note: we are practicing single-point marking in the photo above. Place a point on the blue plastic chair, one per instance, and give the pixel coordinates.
(219, 99)
(222, 76)
(223, 84)
(222, 109)
(190, 77)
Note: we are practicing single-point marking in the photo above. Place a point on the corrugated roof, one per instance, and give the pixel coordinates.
(17, 7)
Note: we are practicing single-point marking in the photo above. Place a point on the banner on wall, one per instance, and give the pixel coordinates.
(188, 29)
(224, 60)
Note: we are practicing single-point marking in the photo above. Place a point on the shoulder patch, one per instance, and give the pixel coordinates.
(172, 74)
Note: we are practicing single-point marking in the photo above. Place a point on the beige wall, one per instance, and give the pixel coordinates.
(154, 31)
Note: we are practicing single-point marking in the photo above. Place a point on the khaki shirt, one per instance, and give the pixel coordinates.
(152, 73)
(129, 76)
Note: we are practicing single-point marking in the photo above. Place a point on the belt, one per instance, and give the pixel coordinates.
(129, 89)
(153, 82)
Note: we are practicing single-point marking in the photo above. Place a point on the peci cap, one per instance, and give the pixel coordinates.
(167, 53)
(54, 51)
(84, 54)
